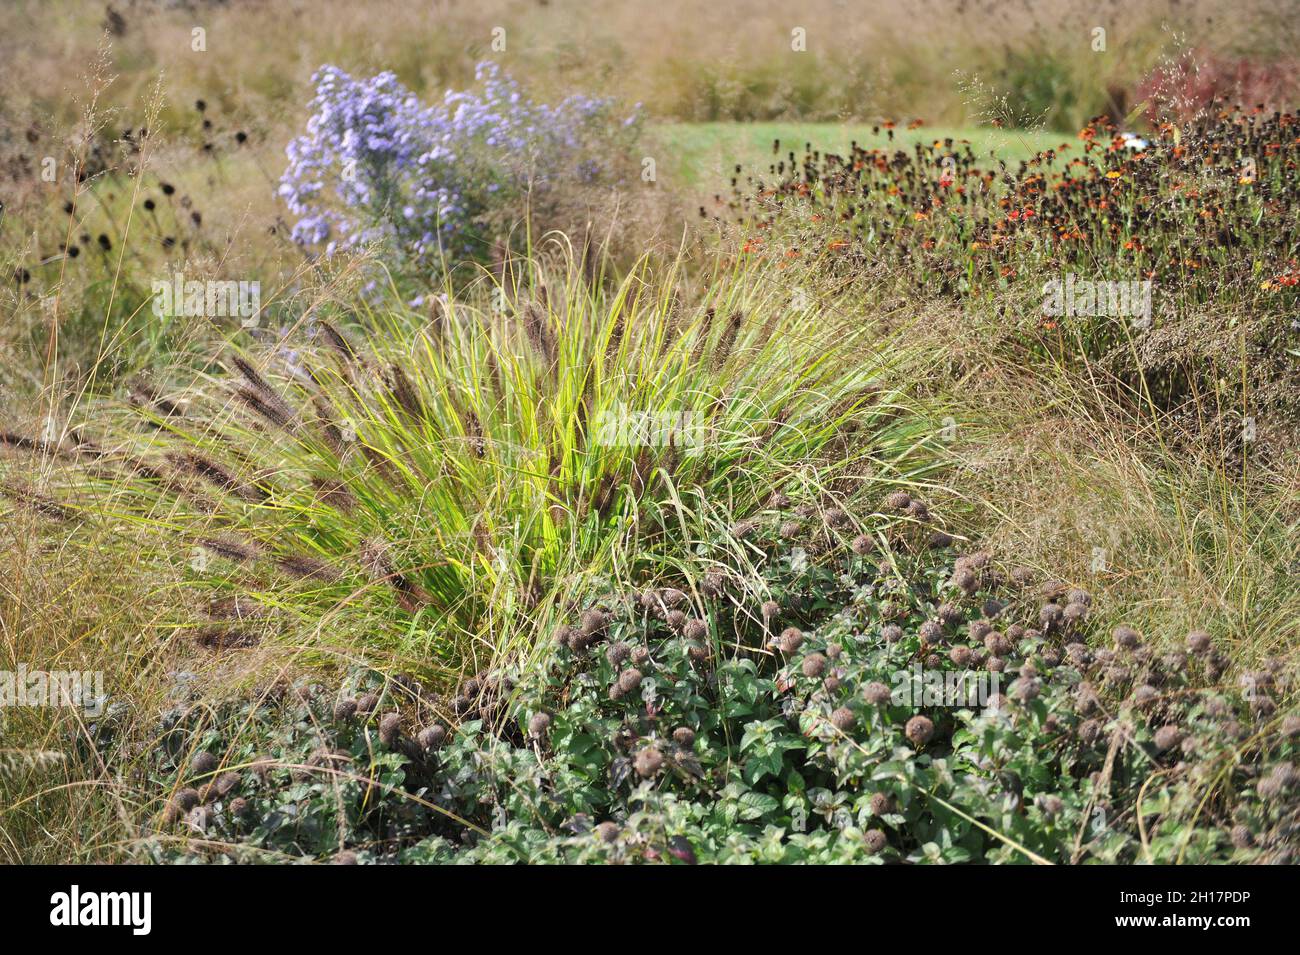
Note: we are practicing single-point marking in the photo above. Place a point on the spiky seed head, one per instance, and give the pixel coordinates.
(186, 799)
(836, 517)
(919, 512)
(1089, 731)
(684, 737)
(881, 804)
(949, 614)
(965, 581)
(676, 619)
(1241, 837)
(1145, 695)
(843, 719)
(931, 632)
(863, 545)
(1167, 737)
(898, 501)
(834, 650)
(875, 841)
(1074, 614)
(891, 632)
(618, 653)
(239, 807)
(919, 730)
(1025, 689)
(695, 630)
(789, 529)
(606, 831)
(1050, 615)
(539, 724)
(344, 857)
(203, 763)
(791, 640)
(640, 656)
(1079, 596)
(1199, 642)
(997, 643)
(771, 610)
(367, 703)
(431, 737)
(1022, 577)
(595, 622)
(629, 679)
(960, 655)
(1126, 638)
(226, 784)
(648, 761)
(814, 665)
(390, 729)
(875, 693)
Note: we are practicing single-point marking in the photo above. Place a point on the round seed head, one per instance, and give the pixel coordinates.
(791, 640)
(648, 762)
(919, 730)
(684, 737)
(1199, 642)
(843, 719)
(814, 665)
(695, 629)
(875, 693)
(875, 841)
(431, 737)
(390, 729)
(539, 724)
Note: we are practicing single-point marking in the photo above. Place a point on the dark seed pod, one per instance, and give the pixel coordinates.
(919, 730)
(814, 665)
(684, 737)
(676, 619)
(606, 831)
(789, 529)
(390, 729)
(771, 610)
(366, 704)
(203, 764)
(186, 799)
(931, 632)
(648, 762)
(629, 680)
(618, 653)
(431, 737)
(843, 719)
(695, 630)
(875, 841)
(877, 694)
(595, 623)
(791, 640)
(1126, 638)
(539, 724)
(898, 501)
(345, 710)
(1167, 737)
(891, 632)
(863, 545)
(1199, 642)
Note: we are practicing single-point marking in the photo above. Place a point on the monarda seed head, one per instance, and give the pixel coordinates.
(898, 501)
(965, 581)
(1051, 806)
(881, 804)
(1199, 642)
(1050, 616)
(997, 643)
(203, 764)
(344, 857)
(648, 762)
(695, 629)
(563, 635)
(949, 614)
(1241, 837)
(1291, 727)
(226, 784)
(978, 630)
(789, 530)
(684, 737)
(919, 729)
(837, 518)
(1022, 577)
(814, 665)
(931, 632)
(618, 653)
(771, 610)
(1079, 596)
(629, 679)
(1126, 638)
(790, 641)
(677, 620)
(431, 737)
(607, 831)
(186, 799)
(833, 650)
(891, 632)
(1167, 737)
(1089, 731)
(843, 719)
(238, 807)
(960, 655)
(640, 656)
(877, 694)
(1144, 696)
(863, 545)
(1074, 614)
(875, 841)
(919, 512)
(595, 622)
(538, 725)
(390, 729)
(367, 703)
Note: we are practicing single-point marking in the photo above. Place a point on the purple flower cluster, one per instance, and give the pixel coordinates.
(377, 165)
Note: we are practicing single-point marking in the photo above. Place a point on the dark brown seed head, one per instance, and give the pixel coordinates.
(919, 729)
(814, 665)
(843, 719)
(539, 724)
(648, 761)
